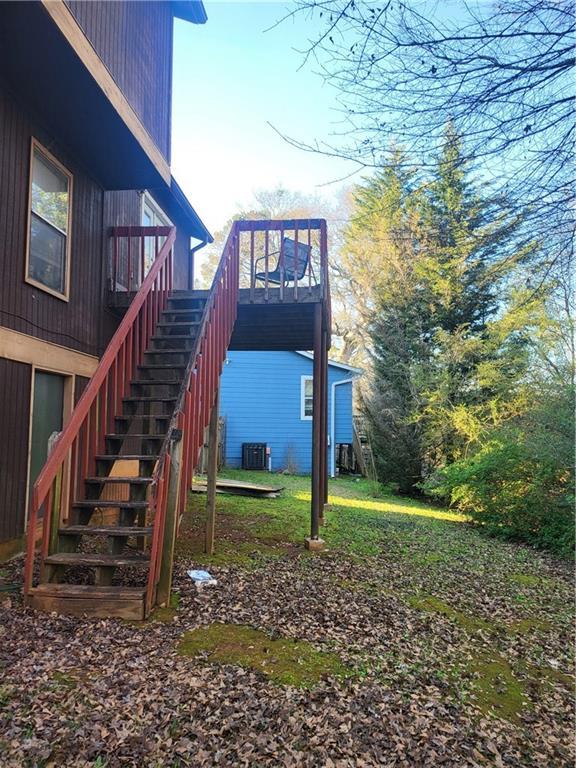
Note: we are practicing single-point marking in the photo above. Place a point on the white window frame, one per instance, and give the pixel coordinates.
(159, 219)
(35, 146)
(303, 380)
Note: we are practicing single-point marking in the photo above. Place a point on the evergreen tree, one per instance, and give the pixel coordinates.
(437, 262)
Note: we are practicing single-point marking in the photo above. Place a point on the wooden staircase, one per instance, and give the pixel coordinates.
(104, 548)
(106, 505)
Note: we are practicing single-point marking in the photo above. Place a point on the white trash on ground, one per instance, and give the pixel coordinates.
(202, 577)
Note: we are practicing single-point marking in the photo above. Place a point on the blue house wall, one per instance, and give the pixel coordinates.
(260, 399)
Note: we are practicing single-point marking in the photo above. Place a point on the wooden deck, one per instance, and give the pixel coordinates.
(273, 323)
(267, 319)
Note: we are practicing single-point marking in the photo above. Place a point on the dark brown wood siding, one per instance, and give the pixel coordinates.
(80, 384)
(134, 40)
(82, 323)
(15, 383)
(124, 208)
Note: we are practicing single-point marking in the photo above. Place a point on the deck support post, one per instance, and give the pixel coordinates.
(170, 527)
(317, 488)
(324, 420)
(211, 472)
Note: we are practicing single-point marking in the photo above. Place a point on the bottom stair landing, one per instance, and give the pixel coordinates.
(94, 601)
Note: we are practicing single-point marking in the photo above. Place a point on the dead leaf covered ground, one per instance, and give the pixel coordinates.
(411, 641)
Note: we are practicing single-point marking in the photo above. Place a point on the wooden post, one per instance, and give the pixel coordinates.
(211, 471)
(316, 505)
(324, 417)
(170, 527)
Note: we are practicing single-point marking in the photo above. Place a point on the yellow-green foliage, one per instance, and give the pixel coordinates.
(282, 661)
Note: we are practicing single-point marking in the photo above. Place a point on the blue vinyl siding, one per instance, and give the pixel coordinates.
(260, 399)
(343, 413)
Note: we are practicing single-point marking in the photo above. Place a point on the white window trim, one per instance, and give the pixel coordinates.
(148, 200)
(35, 145)
(303, 379)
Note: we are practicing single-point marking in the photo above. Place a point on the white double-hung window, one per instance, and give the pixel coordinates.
(48, 251)
(306, 397)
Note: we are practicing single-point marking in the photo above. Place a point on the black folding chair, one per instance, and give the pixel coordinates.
(288, 269)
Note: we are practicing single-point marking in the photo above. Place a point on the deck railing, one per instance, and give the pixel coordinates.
(285, 259)
(73, 456)
(134, 251)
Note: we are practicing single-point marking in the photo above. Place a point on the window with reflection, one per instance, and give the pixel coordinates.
(48, 248)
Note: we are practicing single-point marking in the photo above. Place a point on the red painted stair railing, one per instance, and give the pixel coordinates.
(195, 401)
(73, 456)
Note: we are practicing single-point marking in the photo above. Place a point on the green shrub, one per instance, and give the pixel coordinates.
(514, 491)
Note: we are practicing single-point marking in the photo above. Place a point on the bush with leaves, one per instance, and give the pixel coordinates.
(519, 483)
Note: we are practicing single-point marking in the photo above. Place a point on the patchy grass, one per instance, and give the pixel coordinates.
(433, 604)
(64, 680)
(249, 529)
(437, 559)
(411, 638)
(283, 661)
(168, 612)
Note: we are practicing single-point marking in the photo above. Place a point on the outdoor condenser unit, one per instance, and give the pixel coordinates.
(253, 455)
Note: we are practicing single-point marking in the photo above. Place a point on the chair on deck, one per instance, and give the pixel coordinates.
(288, 269)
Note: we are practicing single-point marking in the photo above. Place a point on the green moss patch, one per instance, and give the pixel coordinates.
(498, 691)
(283, 661)
(168, 612)
(434, 605)
(64, 680)
(546, 677)
(527, 580)
(525, 626)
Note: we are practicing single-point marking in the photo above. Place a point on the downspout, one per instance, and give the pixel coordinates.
(332, 424)
(191, 253)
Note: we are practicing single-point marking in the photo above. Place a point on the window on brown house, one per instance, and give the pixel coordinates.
(48, 258)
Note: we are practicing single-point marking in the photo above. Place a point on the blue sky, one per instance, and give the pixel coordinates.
(231, 78)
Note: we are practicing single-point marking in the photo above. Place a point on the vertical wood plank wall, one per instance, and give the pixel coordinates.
(15, 379)
(134, 40)
(81, 323)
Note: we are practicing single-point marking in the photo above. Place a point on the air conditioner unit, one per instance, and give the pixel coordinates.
(254, 455)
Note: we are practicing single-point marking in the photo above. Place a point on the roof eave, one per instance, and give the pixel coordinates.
(177, 206)
(190, 10)
(354, 371)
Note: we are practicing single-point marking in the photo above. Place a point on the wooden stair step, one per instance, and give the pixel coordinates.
(185, 336)
(90, 590)
(83, 599)
(157, 382)
(156, 416)
(177, 324)
(195, 294)
(96, 559)
(183, 311)
(151, 399)
(173, 351)
(115, 479)
(124, 435)
(127, 457)
(106, 530)
(110, 503)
